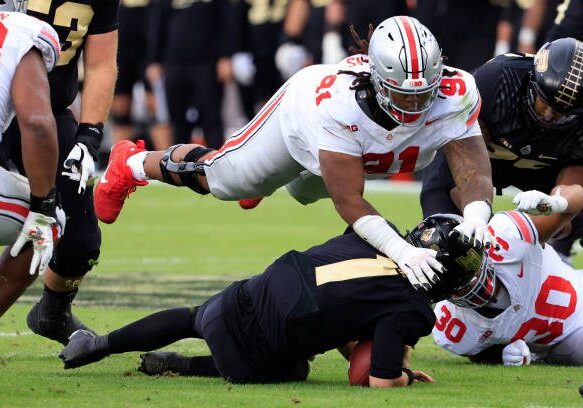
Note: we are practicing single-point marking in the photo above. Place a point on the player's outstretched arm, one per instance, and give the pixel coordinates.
(552, 213)
(32, 104)
(471, 170)
(344, 178)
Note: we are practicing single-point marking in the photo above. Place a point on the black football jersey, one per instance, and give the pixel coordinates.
(520, 152)
(73, 21)
(314, 301)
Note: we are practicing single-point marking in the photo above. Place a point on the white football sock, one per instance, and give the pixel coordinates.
(136, 163)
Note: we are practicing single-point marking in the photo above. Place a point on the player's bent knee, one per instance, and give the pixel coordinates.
(68, 266)
(187, 169)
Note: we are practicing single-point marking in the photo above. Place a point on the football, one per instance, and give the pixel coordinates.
(359, 363)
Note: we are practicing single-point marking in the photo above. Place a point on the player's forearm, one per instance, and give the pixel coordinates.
(351, 208)
(98, 93)
(39, 152)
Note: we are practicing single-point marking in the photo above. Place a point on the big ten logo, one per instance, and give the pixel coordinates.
(351, 128)
(356, 60)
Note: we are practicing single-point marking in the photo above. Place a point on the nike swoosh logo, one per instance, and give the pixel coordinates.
(103, 179)
(521, 274)
(429, 122)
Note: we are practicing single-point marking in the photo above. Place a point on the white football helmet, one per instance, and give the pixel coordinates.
(406, 68)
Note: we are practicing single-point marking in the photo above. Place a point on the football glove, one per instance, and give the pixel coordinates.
(538, 203)
(419, 266)
(80, 162)
(516, 354)
(41, 230)
(474, 228)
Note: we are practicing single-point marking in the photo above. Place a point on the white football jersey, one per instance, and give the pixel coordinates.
(18, 34)
(320, 111)
(544, 295)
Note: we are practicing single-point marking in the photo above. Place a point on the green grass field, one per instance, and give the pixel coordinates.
(172, 248)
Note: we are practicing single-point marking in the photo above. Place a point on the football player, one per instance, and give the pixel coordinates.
(532, 122)
(530, 300)
(88, 27)
(265, 329)
(330, 126)
(30, 48)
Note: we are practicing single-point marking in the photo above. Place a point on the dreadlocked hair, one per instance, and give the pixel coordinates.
(362, 79)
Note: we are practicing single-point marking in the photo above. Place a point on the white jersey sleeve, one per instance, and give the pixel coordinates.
(25, 32)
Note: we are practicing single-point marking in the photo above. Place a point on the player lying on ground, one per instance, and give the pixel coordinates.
(265, 329)
(328, 128)
(30, 48)
(530, 300)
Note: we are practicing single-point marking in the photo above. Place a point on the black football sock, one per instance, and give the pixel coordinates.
(154, 331)
(54, 303)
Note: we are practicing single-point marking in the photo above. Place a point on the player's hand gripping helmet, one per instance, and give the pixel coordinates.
(469, 279)
(406, 68)
(557, 78)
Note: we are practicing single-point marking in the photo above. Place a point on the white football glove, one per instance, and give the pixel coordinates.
(290, 58)
(243, 68)
(474, 228)
(80, 165)
(419, 266)
(332, 50)
(37, 228)
(538, 203)
(516, 354)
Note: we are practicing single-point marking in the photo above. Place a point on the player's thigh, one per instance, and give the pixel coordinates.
(569, 351)
(307, 188)
(254, 162)
(14, 203)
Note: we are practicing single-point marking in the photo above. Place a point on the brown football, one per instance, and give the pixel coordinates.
(359, 364)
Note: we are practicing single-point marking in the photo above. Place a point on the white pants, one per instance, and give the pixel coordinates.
(255, 162)
(14, 203)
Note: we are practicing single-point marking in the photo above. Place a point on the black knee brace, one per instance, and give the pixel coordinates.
(188, 169)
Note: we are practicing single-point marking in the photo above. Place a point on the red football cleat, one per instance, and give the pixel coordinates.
(249, 203)
(117, 182)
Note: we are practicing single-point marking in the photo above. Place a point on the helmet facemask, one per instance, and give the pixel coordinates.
(480, 290)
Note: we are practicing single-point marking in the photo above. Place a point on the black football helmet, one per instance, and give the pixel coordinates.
(468, 279)
(558, 80)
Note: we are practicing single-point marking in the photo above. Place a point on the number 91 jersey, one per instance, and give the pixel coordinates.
(320, 112)
(544, 295)
(18, 34)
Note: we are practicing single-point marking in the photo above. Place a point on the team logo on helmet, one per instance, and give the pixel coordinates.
(541, 62)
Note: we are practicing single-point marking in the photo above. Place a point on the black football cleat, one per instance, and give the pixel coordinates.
(84, 348)
(58, 326)
(163, 363)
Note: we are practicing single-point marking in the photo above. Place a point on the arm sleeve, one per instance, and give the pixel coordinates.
(105, 18)
(391, 335)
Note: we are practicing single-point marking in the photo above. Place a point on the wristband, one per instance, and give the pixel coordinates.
(45, 205)
(410, 375)
(527, 36)
(90, 135)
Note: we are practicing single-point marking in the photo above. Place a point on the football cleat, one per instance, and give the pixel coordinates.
(55, 326)
(249, 203)
(163, 362)
(117, 182)
(84, 348)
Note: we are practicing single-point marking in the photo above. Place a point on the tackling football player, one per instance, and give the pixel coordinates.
(266, 328)
(532, 122)
(330, 127)
(530, 301)
(30, 48)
